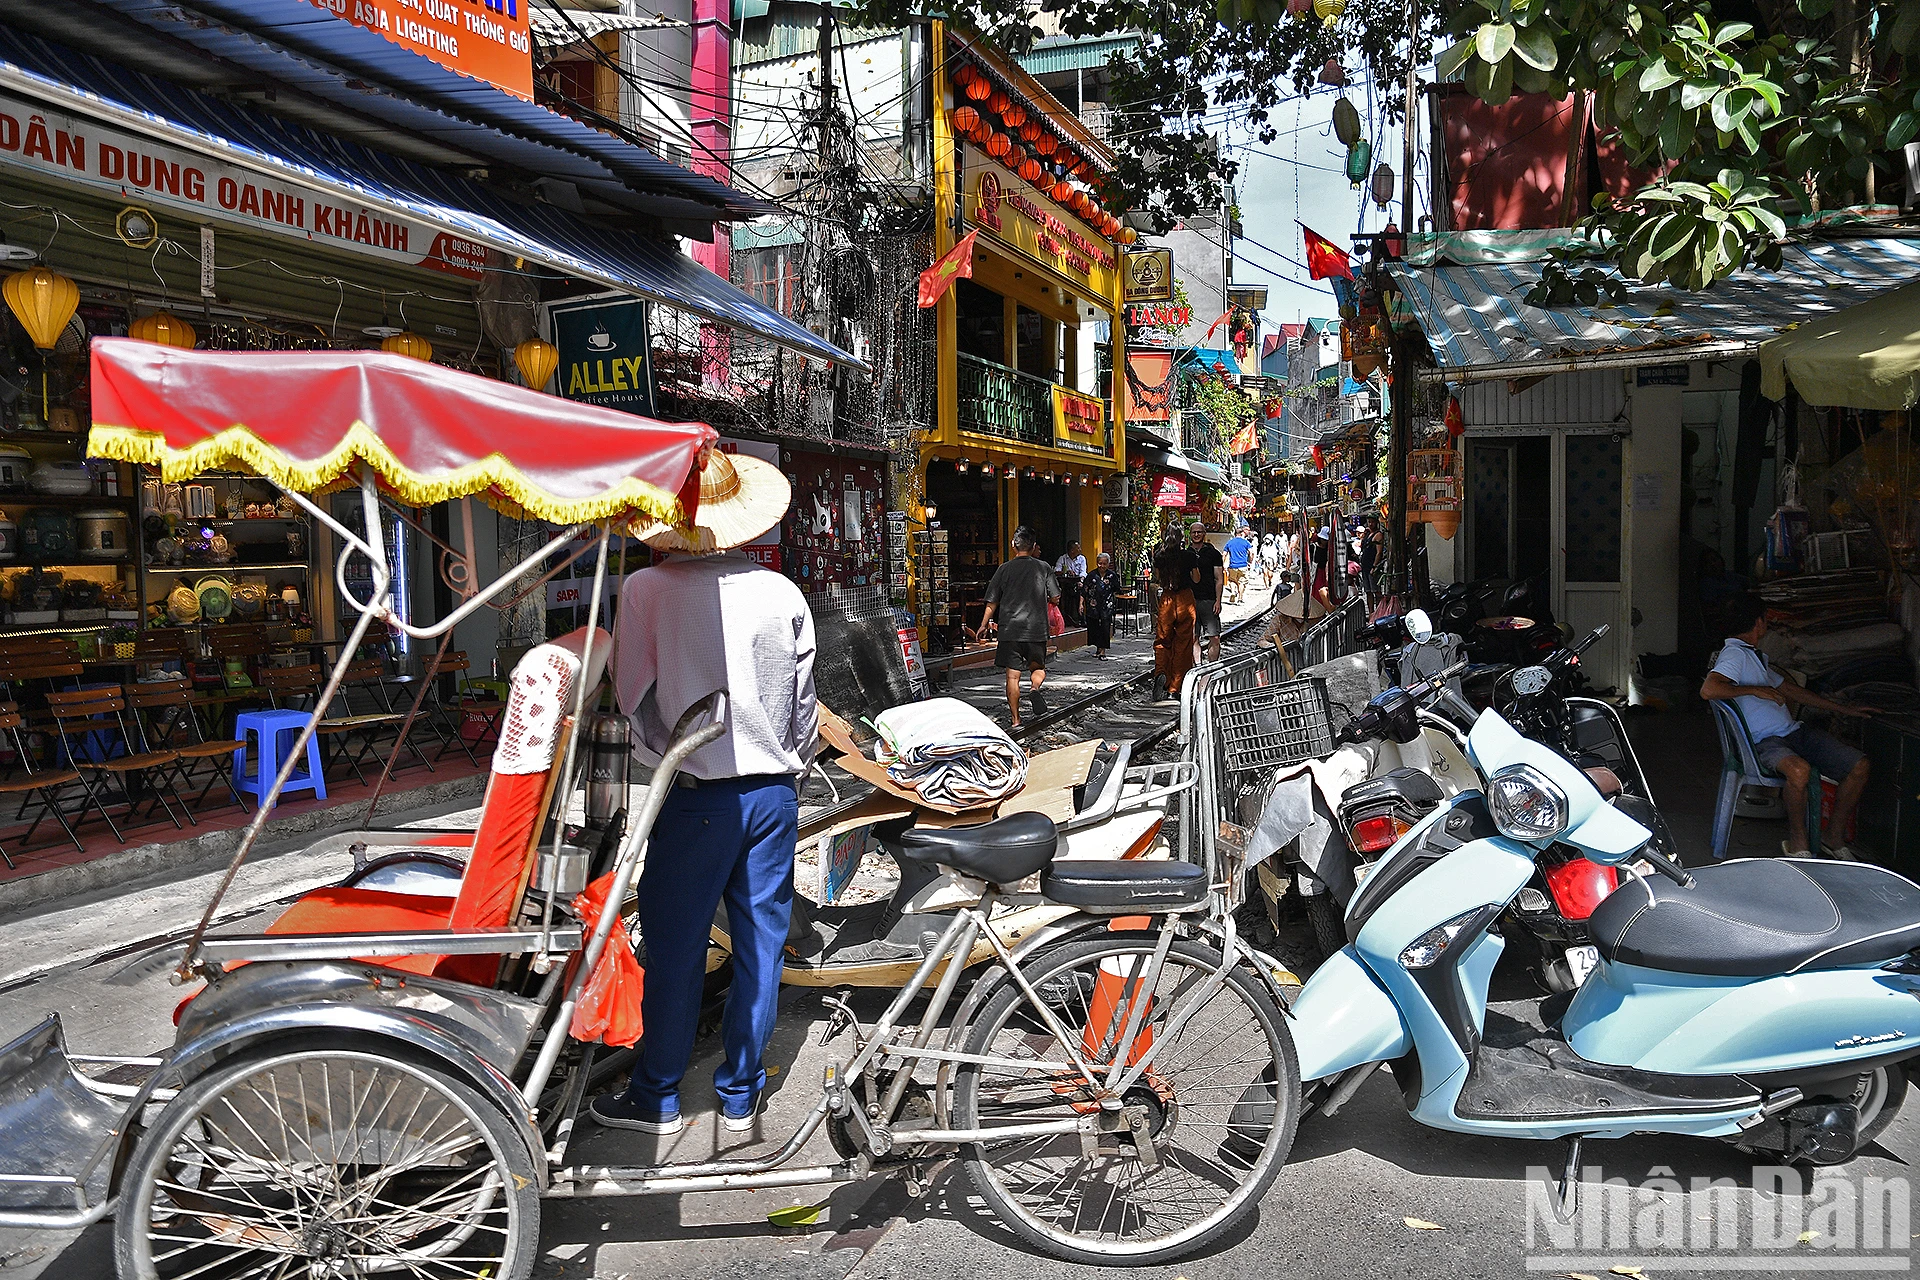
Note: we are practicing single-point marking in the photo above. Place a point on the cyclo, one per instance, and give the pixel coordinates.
(384, 1081)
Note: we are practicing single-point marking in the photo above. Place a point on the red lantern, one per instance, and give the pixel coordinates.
(965, 119)
(1128, 235)
(998, 104)
(1083, 205)
(1015, 115)
(1031, 170)
(965, 73)
(1220, 367)
(999, 144)
(979, 90)
(1029, 131)
(1046, 144)
(1062, 191)
(1014, 158)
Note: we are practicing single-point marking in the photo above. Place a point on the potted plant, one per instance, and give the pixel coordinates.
(118, 641)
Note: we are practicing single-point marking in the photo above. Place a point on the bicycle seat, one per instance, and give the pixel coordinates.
(1756, 917)
(1004, 851)
(1118, 887)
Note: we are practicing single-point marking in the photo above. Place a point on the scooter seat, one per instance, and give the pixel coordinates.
(1757, 917)
(1004, 851)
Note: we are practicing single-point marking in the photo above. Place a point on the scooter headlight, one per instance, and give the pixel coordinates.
(1525, 804)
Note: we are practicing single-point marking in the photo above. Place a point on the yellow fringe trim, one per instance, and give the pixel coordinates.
(493, 479)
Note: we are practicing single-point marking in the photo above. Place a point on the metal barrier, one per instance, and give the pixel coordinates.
(1331, 637)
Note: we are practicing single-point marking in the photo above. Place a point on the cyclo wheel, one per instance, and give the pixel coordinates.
(329, 1162)
(1221, 1097)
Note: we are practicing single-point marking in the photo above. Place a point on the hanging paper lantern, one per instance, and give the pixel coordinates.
(965, 119)
(1359, 162)
(1014, 158)
(1030, 169)
(979, 90)
(43, 301)
(1029, 132)
(1329, 11)
(1015, 115)
(1062, 191)
(1083, 205)
(1046, 144)
(1333, 73)
(536, 361)
(964, 73)
(165, 328)
(999, 144)
(1220, 367)
(998, 104)
(408, 344)
(1299, 8)
(1128, 235)
(1346, 122)
(981, 132)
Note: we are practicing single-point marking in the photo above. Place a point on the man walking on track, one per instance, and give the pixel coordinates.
(1206, 595)
(1176, 570)
(1019, 593)
(708, 620)
(1239, 556)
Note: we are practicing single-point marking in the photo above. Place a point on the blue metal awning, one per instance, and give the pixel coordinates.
(1479, 328)
(326, 166)
(295, 44)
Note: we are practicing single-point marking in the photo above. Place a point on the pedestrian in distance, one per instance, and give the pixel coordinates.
(1206, 594)
(1239, 558)
(1766, 699)
(1102, 585)
(1017, 613)
(707, 619)
(1176, 571)
(1071, 570)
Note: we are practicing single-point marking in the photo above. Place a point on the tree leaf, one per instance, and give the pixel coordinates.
(1494, 40)
(1904, 127)
(1672, 236)
(1535, 47)
(1421, 1224)
(1730, 32)
(1502, 87)
(1448, 64)
(1695, 94)
(797, 1215)
(1658, 75)
(1904, 35)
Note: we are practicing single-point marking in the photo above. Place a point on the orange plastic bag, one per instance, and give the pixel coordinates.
(609, 1008)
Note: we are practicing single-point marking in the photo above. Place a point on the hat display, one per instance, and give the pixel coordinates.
(741, 497)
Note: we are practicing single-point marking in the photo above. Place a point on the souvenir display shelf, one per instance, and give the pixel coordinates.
(224, 547)
(50, 582)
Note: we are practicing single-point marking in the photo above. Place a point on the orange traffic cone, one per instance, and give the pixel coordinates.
(1114, 990)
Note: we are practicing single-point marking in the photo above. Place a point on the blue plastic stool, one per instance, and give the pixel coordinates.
(270, 732)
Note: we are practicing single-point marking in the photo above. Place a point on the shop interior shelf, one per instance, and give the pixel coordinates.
(64, 500)
(22, 562)
(236, 566)
(40, 437)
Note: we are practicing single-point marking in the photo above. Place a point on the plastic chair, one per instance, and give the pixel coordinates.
(268, 729)
(1739, 768)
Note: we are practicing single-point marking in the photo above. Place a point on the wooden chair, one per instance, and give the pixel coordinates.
(451, 713)
(84, 713)
(33, 786)
(368, 678)
(163, 712)
(350, 737)
(247, 642)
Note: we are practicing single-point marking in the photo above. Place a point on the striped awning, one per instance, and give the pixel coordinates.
(1479, 328)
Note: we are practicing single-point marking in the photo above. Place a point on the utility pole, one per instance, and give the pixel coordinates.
(1402, 351)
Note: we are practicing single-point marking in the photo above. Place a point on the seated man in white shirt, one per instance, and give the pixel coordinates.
(1765, 697)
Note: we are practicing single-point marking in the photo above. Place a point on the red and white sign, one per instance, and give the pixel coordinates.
(1170, 491)
(486, 39)
(127, 166)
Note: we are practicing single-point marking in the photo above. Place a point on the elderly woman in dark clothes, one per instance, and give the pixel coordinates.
(1097, 594)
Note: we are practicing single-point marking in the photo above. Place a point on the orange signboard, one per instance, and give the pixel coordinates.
(486, 39)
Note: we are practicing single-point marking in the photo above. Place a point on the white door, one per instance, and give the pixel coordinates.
(1592, 562)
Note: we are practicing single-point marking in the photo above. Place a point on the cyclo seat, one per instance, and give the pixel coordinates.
(1758, 917)
(1004, 851)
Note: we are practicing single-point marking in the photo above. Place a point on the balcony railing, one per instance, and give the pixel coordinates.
(1003, 402)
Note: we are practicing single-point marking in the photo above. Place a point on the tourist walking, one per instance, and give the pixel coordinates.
(1206, 594)
(1175, 571)
(1017, 612)
(1098, 593)
(1071, 570)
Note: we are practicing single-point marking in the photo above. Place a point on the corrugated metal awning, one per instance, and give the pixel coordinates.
(1479, 328)
(305, 161)
(1064, 53)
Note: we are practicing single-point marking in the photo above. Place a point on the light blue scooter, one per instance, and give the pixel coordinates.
(1774, 1004)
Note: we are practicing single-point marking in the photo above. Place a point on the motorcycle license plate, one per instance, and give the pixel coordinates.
(1581, 961)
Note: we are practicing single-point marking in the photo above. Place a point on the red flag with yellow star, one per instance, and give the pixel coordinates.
(1246, 441)
(1325, 260)
(939, 277)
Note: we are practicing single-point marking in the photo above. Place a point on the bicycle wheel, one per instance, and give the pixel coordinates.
(329, 1162)
(1220, 1098)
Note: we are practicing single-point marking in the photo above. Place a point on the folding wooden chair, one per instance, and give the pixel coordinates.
(350, 737)
(85, 714)
(453, 713)
(248, 643)
(163, 712)
(33, 786)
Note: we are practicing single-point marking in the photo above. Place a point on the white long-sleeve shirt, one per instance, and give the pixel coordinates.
(694, 624)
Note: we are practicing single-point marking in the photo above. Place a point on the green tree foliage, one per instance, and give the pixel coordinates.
(1749, 110)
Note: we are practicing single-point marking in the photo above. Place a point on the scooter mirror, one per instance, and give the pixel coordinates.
(1419, 626)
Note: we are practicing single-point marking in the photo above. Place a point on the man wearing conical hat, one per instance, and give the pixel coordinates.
(707, 618)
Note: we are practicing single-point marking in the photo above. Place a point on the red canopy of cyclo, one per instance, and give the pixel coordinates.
(302, 418)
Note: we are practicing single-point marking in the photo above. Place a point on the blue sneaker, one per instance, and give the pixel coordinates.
(618, 1111)
(740, 1120)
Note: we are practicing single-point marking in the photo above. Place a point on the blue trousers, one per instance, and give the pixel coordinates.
(733, 839)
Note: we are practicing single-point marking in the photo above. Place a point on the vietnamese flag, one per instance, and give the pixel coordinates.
(939, 277)
(1245, 442)
(1324, 259)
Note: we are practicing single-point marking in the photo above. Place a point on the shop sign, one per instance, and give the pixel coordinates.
(1146, 392)
(1013, 212)
(486, 39)
(1170, 491)
(1159, 315)
(604, 353)
(1149, 276)
(127, 166)
(1079, 419)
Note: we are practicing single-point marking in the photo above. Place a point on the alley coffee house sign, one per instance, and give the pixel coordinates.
(126, 166)
(1012, 211)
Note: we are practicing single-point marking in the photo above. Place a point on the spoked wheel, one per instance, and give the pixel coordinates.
(1219, 1103)
(329, 1163)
